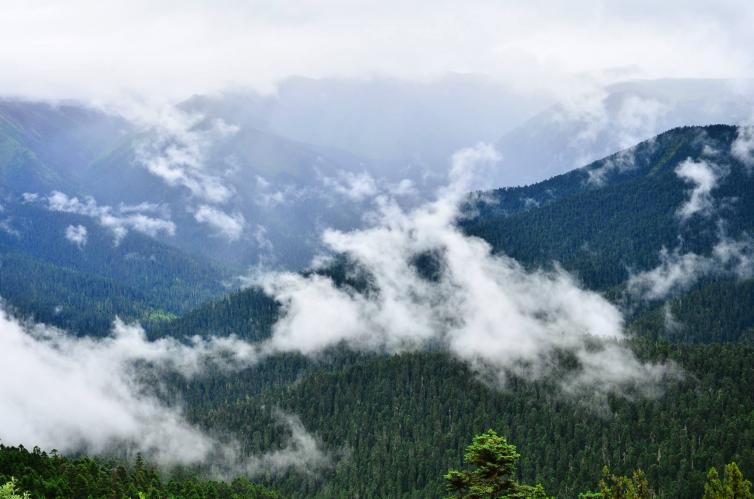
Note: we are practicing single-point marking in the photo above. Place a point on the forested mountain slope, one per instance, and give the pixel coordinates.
(568, 135)
(396, 423)
(66, 269)
(404, 419)
(604, 223)
(616, 214)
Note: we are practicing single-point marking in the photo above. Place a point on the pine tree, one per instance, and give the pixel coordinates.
(493, 475)
(713, 489)
(733, 486)
(623, 487)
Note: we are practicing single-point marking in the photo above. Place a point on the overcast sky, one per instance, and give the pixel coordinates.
(81, 48)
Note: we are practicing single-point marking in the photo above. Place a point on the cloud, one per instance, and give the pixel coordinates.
(85, 48)
(620, 162)
(84, 394)
(270, 196)
(7, 227)
(672, 324)
(743, 147)
(485, 309)
(229, 226)
(704, 176)
(680, 271)
(77, 234)
(676, 272)
(118, 223)
(736, 255)
(403, 188)
(302, 451)
(145, 207)
(354, 186)
(603, 121)
(175, 146)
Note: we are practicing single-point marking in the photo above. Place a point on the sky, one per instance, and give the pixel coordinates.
(102, 50)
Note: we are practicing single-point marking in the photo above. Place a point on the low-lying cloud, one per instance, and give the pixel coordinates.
(230, 226)
(119, 222)
(175, 146)
(77, 234)
(678, 271)
(354, 186)
(704, 177)
(742, 147)
(84, 394)
(485, 309)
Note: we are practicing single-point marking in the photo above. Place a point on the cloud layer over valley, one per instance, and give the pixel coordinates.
(85, 394)
(428, 284)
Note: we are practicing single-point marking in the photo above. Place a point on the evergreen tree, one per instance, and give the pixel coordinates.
(713, 489)
(733, 486)
(493, 474)
(623, 487)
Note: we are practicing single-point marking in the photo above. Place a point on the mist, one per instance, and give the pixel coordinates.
(484, 308)
(89, 395)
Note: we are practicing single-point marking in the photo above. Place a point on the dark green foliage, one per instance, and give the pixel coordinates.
(601, 231)
(493, 462)
(399, 422)
(248, 314)
(83, 288)
(716, 311)
(52, 476)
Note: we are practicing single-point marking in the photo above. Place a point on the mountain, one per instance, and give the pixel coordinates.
(603, 231)
(405, 418)
(585, 128)
(236, 194)
(66, 269)
(662, 229)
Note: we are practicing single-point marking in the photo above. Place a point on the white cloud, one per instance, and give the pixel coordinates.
(403, 188)
(7, 227)
(354, 186)
(118, 223)
(618, 163)
(486, 309)
(270, 196)
(736, 255)
(77, 234)
(704, 176)
(229, 226)
(83, 394)
(175, 147)
(145, 207)
(607, 122)
(85, 47)
(743, 147)
(678, 272)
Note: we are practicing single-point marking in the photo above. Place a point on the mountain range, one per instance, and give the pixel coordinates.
(153, 220)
